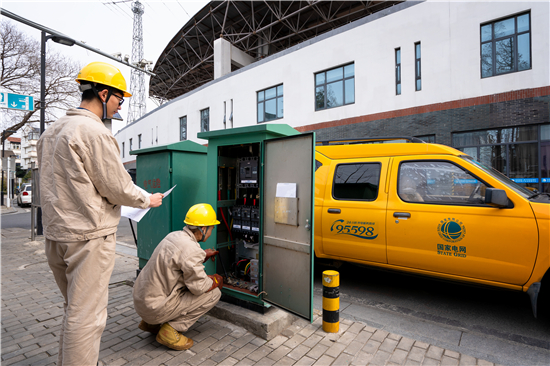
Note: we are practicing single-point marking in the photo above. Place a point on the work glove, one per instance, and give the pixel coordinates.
(217, 281)
(210, 253)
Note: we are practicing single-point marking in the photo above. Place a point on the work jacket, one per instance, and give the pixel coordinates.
(176, 266)
(82, 180)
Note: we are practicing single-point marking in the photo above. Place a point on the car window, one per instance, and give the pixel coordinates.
(318, 164)
(356, 181)
(28, 188)
(438, 182)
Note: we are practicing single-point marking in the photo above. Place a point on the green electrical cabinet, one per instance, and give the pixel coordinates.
(260, 181)
(158, 169)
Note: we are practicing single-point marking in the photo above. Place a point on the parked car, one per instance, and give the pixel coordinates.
(24, 198)
(431, 210)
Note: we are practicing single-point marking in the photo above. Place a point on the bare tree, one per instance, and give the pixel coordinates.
(20, 74)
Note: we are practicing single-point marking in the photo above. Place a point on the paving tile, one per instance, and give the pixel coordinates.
(416, 354)
(434, 352)
(388, 345)
(260, 353)
(354, 348)
(305, 361)
(335, 350)
(180, 359)
(324, 361)
(405, 344)
(466, 360)
(279, 353)
(430, 362)
(380, 358)
(371, 347)
(379, 335)
(294, 341)
(228, 362)
(399, 356)
(219, 356)
(244, 351)
(449, 361)
(362, 358)
(277, 341)
(298, 352)
(206, 343)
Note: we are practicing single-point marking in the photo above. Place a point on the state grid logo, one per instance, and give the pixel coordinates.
(451, 230)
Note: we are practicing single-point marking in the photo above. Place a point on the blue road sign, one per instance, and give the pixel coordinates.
(16, 101)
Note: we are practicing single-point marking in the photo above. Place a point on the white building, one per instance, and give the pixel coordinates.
(473, 75)
(29, 140)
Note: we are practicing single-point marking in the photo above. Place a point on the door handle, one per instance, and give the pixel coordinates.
(402, 214)
(334, 210)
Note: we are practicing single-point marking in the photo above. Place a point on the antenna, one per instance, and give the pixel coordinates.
(137, 80)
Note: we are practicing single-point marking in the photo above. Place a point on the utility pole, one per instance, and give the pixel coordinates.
(137, 80)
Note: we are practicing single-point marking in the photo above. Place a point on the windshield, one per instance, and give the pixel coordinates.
(501, 177)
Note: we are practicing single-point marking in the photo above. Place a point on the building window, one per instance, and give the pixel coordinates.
(139, 141)
(183, 128)
(398, 71)
(427, 138)
(506, 45)
(205, 120)
(513, 151)
(270, 104)
(123, 149)
(417, 66)
(130, 145)
(335, 87)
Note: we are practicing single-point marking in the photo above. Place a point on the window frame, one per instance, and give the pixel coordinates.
(139, 141)
(122, 149)
(183, 120)
(494, 40)
(207, 122)
(263, 101)
(357, 199)
(130, 145)
(417, 66)
(324, 84)
(398, 87)
(440, 203)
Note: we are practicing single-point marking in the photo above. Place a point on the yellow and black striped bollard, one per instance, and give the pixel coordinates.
(331, 301)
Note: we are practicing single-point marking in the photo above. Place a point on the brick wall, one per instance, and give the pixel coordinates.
(522, 107)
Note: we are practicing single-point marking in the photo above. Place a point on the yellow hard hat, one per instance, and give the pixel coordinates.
(103, 73)
(201, 214)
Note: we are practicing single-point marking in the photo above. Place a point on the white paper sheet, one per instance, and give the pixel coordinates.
(286, 190)
(137, 214)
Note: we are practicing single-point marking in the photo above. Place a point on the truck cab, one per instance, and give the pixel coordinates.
(428, 209)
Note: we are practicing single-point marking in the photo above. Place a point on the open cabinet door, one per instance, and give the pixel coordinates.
(287, 251)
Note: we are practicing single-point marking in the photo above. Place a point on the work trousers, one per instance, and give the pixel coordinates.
(82, 271)
(185, 311)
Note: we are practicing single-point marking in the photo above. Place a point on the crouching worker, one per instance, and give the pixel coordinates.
(173, 290)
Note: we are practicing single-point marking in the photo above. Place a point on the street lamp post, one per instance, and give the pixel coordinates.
(64, 41)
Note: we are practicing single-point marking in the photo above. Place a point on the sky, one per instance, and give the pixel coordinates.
(107, 25)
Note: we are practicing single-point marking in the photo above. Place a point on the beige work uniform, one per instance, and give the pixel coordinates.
(172, 287)
(82, 186)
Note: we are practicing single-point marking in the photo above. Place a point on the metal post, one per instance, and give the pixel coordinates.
(331, 301)
(3, 145)
(39, 229)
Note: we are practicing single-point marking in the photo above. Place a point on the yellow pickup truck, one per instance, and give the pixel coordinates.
(429, 209)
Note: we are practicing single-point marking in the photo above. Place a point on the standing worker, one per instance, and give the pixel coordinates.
(82, 186)
(173, 289)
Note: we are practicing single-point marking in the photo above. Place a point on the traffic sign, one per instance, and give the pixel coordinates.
(16, 101)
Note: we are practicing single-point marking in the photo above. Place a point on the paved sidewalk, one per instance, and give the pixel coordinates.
(32, 313)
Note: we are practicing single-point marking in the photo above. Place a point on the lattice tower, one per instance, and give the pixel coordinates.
(137, 80)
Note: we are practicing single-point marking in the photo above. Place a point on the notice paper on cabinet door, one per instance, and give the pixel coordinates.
(137, 214)
(286, 190)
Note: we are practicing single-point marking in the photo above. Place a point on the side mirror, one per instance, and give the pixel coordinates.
(496, 197)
